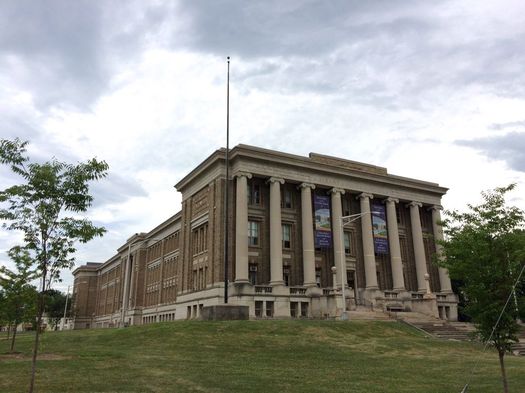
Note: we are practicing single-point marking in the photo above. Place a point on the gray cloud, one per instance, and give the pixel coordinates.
(64, 52)
(277, 28)
(509, 148)
(53, 49)
(512, 124)
(115, 189)
(378, 53)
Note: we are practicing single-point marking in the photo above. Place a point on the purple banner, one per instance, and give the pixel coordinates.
(323, 229)
(379, 229)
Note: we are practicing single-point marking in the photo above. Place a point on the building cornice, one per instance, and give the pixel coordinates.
(324, 171)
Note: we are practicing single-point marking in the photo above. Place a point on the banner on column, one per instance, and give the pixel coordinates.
(323, 230)
(379, 229)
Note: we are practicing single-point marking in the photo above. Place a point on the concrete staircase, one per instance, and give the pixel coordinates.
(518, 349)
(438, 328)
(461, 331)
(446, 330)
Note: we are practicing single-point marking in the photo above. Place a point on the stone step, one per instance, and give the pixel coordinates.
(518, 349)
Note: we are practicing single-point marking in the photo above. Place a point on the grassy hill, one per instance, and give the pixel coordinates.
(255, 356)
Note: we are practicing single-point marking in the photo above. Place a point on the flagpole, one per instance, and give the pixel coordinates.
(65, 309)
(227, 184)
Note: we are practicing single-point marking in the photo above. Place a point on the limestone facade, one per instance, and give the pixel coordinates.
(275, 267)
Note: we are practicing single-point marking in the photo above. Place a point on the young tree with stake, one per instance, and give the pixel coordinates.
(485, 250)
(19, 296)
(46, 207)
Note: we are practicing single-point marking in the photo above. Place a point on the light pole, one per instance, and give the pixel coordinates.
(65, 309)
(345, 220)
(125, 297)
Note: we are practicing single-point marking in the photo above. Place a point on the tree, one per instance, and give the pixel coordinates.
(3, 316)
(19, 295)
(484, 249)
(46, 208)
(54, 306)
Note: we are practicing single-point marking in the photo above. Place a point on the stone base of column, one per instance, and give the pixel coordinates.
(429, 296)
(369, 296)
(404, 295)
(239, 288)
(279, 283)
(314, 292)
(427, 306)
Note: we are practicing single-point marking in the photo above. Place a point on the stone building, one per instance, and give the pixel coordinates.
(299, 228)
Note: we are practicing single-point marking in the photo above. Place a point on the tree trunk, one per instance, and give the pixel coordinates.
(13, 341)
(38, 327)
(8, 330)
(503, 373)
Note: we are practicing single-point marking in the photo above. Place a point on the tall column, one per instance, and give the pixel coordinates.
(276, 235)
(307, 235)
(368, 242)
(125, 294)
(337, 232)
(241, 228)
(419, 247)
(444, 279)
(393, 242)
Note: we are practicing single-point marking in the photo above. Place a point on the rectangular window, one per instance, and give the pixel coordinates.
(287, 200)
(269, 309)
(258, 308)
(350, 280)
(199, 239)
(293, 309)
(253, 233)
(348, 242)
(304, 309)
(346, 206)
(252, 274)
(286, 276)
(287, 236)
(254, 194)
(318, 277)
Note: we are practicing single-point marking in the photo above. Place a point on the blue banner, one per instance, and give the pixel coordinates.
(379, 229)
(323, 229)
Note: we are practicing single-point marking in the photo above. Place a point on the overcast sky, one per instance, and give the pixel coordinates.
(430, 90)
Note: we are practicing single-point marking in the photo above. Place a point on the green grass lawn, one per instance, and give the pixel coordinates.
(255, 356)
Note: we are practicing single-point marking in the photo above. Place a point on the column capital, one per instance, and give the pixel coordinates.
(306, 185)
(275, 179)
(435, 207)
(242, 174)
(336, 190)
(414, 203)
(391, 199)
(364, 195)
